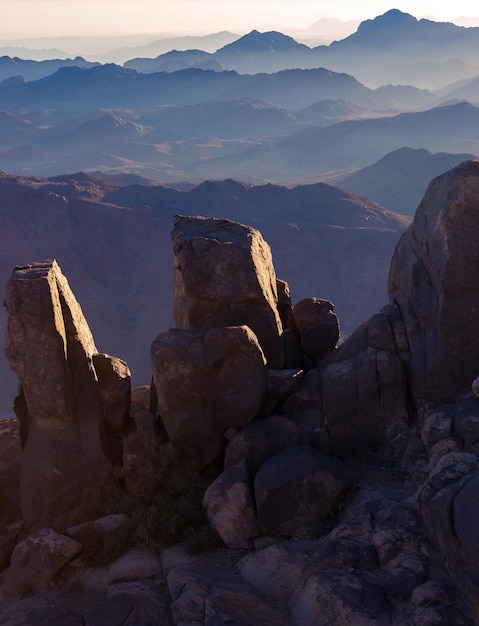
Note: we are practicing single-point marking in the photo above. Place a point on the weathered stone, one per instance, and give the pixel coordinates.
(364, 402)
(295, 488)
(206, 381)
(403, 574)
(466, 427)
(230, 603)
(442, 447)
(103, 526)
(285, 308)
(125, 609)
(115, 391)
(114, 380)
(141, 395)
(437, 425)
(336, 598)
(276, 570)
(466, 523)
(131, 566)
(188, 591)
(437, 508)
(230, 507)
(7, 543)
(63, 417)
(280, 385)
(318, 327)
(224, 276)
(143, 420)
(312, 430)
(308, 395)
(433, 279)
(46, 617)
(36, 560)
(10, 459)
(260, 440)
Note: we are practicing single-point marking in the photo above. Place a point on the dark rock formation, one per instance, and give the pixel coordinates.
(230, 507)
(206, 381)
(318, 327)
(224, 276)
(433, 279)
(297, 488)
(72, 415)
(364, 397)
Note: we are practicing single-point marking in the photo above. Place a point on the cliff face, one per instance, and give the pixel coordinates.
(433, 278)
(74, 404)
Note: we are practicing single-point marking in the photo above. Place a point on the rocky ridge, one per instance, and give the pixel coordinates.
(344, 491)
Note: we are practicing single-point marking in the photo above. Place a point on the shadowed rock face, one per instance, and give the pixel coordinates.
(434, 279)
(224, 276)
(207, 380)
(70, 413)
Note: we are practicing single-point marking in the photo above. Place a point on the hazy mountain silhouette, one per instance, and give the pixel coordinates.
(33, 70)
(111, 48)
(113, 86)
(246, 138)
(399, 180)
(392, 48)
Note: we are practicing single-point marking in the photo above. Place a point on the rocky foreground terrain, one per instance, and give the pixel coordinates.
(267, 476)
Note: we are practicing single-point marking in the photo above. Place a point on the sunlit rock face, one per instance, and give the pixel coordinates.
(73, 405)
(224, 276)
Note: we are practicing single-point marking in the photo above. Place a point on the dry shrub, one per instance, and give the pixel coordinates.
(161, 496)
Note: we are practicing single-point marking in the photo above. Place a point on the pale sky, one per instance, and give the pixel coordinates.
(34, 18)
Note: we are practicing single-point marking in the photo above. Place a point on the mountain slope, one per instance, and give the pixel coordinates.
(399, 180)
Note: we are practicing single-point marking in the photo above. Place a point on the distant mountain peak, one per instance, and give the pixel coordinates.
(390, 19)
(257, 41)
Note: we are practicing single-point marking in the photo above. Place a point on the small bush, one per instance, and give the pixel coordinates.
(161, 496)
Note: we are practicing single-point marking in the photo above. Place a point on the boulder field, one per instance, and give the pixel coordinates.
(338, 481)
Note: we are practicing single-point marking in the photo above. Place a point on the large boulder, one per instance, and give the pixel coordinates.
(230, 507)
(295, 489)
(433, 279)
(37, 560)
(207, 380)
(318, 327)
(363, 392)
(224, 276)
(73, 404)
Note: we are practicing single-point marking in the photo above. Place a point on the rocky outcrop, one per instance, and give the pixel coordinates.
(295, 489)
(73, 406)
(397, 543)
(318, 327)
(37, 560)
(230, 507)
(205, 382)
(364, 391)
(224, 276)
(433, 279)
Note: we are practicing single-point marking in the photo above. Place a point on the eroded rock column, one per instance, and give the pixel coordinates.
(63, 403)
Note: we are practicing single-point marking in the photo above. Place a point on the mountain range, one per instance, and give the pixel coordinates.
(394, 47)
(399, 179)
